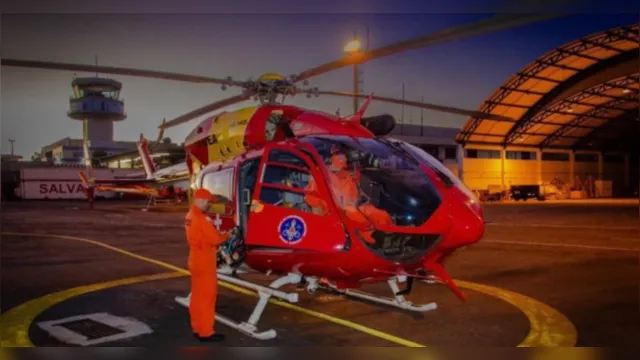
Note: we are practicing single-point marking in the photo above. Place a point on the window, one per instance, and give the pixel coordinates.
(284, 198)
(430, 149)
(450, 153)
(284, 181)
(282, 156)
(553, 156)
(220, 184)
(281, 175)
(388, 178)
(521, 155)
(586, 158)
(482, 154)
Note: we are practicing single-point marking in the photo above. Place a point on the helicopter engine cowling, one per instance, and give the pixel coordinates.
(379, 125)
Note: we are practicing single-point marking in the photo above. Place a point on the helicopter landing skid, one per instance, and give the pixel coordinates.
(399, 301)
(249, 327)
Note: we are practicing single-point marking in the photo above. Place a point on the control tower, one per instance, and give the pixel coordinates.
(95, 101)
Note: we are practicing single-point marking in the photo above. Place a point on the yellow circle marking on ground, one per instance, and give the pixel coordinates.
(548, 327)
(15, 323)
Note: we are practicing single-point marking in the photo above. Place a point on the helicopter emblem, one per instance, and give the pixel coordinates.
(292, 229)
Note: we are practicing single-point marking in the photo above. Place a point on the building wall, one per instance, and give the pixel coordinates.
(482, 168)
(520, 172)
(483, 165)
(61, 182)
(584, 168)
(613, 170)
(556, 165)
(479, 174)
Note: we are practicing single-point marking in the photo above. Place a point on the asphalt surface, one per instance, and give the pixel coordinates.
(582, 260)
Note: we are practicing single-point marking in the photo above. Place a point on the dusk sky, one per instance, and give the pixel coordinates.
(460, 73)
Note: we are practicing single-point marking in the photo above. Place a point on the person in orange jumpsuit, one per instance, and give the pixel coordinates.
(203, 240)
(345, 188)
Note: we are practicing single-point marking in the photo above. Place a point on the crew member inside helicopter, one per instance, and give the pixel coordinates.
(344, 184)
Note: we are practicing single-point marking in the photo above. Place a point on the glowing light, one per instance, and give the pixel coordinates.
(352, 46)
(626, 91)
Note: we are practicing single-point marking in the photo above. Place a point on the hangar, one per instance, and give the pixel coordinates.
(575, 112)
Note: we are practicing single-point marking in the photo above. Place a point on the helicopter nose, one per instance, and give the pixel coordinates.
(468, 224)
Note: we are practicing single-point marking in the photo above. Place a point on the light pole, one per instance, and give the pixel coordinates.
(11, 141)
(352, 48)
(402, 114)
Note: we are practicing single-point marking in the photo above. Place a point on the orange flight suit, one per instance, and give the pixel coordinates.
(345, 188)
(203, 240)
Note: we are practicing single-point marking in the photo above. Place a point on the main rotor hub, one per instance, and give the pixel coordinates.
(268, 86)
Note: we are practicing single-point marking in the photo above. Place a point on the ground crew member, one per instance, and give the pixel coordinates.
(345, 188)
(203, 240)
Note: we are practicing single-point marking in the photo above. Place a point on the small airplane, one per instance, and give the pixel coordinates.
(154, 183)
(324, 201)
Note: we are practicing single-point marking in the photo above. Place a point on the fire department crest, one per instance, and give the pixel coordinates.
(292, 229)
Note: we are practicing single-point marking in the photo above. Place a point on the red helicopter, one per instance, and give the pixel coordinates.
(320, 200)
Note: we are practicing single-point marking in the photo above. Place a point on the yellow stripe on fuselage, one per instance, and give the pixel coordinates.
(226, 135)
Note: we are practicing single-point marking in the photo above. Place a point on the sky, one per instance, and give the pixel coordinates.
(462, 73)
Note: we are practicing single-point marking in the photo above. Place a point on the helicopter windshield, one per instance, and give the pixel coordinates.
(376, 183)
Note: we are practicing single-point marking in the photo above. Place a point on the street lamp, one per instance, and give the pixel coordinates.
(352, 48)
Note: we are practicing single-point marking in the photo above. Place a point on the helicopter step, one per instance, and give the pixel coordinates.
(398, 301)
(249, 327)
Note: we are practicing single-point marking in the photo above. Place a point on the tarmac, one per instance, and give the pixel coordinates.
(545, 274)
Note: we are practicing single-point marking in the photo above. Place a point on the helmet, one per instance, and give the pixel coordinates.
(204, 194)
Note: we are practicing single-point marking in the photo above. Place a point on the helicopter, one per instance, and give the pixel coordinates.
(272, 168)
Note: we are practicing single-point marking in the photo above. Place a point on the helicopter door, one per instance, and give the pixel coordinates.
(247, 179)
(281, 217)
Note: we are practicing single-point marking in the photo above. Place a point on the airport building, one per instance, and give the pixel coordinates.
(163, 154)
(70, 151)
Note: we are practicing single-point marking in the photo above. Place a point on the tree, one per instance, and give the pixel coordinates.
(36, 156)
(166, 140)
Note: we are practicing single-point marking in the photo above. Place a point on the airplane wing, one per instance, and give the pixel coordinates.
(147, 187)
(130, 186)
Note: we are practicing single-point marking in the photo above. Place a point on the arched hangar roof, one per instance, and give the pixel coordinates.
(583, 95)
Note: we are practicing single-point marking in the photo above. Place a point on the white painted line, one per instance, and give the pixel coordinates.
(130, 326)
(578, 246)
(567, 226)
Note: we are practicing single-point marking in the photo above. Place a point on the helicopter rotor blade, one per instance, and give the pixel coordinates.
(204, 110)
(119, 71)
(426, 106)
(496, 23)
(160, 136)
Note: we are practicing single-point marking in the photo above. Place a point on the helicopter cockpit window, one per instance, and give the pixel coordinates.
(286, 176)
(374, 182)
(287, 158)
(285, 181)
